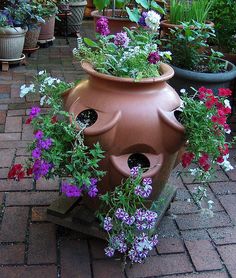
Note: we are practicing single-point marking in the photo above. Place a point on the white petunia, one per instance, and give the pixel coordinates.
(182, 91)
(42, 100)
(25, 90)
(227, 103)
(152, 20)
(41, 72)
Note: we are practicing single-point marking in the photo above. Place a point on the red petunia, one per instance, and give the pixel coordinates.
(187, 158)
(203, 160)
(29, 120)
(54, 119)
(220, 159)
(222, 92)
(206, 167)
(16, 172)
(29, 171)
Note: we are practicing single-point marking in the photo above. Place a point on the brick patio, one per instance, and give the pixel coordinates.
(190, 245)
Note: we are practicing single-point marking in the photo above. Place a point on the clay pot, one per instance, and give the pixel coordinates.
(31, 37)
(89, 8)
(117, 23)
(47, 29)
(12, 42)
(166, 26)
(133, 121)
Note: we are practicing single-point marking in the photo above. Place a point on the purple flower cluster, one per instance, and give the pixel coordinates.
(154, 57)
(141, 21)
(145, 189)
(92, 190)
(142, 245)
(102, 26)
(121, 39)
(41, 168)
(71, 190)
(145, 219)
(107, 224)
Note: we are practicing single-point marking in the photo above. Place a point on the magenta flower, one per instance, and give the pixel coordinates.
(121, 39)
(71, 190)
(34, 112)
(102, 26)
(38, 135)
(153, 58)
(36, 153)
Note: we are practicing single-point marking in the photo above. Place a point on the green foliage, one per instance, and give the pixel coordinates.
(190, 49)
(185, 11)
(223, 15)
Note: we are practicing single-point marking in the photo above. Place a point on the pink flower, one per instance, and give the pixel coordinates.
(222, 92)
(102, 26)
(153, 57)
(121, 39)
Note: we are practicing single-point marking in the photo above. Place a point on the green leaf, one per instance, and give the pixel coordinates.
(157, 7)
(101, 4)
(90, 42)
(143, 3)
(133, 15)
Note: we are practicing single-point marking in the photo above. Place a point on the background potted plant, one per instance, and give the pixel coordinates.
(222, 13)
(185, 11)
(48, 12)
(12, 30)
(194, 62)
(123, 13)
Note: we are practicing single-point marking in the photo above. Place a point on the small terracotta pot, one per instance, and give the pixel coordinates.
(166, 26)
(47, 29)
(133, 120)
(31, 37)
(117, 23)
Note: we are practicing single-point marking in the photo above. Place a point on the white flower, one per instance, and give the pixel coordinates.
(25, 90)
(41, 72)
(182, 91)
(193, 172)
(226, 164)
(153, 20)
(49, 81)
(42, 100)
(210, 203)
(227, 103)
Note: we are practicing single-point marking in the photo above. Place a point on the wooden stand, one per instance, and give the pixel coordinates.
(29, 51)
(73, 214)
(7, 62)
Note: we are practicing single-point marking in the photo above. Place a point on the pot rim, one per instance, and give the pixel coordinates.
(206, 76)
(13, 30)
(166, 23)
(166, 70)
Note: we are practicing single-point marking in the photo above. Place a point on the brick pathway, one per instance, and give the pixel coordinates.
(190, 245)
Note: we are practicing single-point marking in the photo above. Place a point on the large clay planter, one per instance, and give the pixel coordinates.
(32, 36)
(116, 23)
(133, 118)
(75, 20)
(47, 29)
(11, 42)
(185, 79)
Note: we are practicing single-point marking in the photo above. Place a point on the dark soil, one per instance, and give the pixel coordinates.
(138, 159)
(87, 117)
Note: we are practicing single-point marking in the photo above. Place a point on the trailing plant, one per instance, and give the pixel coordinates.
(204, 117)
(185, 11)
(131, 53)
(58, 148)
(190, 49)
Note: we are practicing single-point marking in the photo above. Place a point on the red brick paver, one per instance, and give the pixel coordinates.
(190, 245)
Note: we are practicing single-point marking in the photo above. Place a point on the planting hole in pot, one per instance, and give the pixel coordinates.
(138, 159)
(87, 117)
(177, 114)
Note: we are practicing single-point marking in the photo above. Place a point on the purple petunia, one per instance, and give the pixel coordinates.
(147, 181)
(109, 251)
(71, 190)
(93, 191)
(36, 153)
(141, 21)
(102, 26)
(122, 248)
(34, 112)
(129, 220)
(121, 39)
(134, 172)
(146, 191)
(140, 215)
(41, 168)
(120, 213)
(38, 135)
(45, 144)
(153, 57)
(107, 224)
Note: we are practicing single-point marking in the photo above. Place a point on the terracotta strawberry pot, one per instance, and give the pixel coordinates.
(47, 29)
(133, 121)
(31, 37)
(116, 23)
